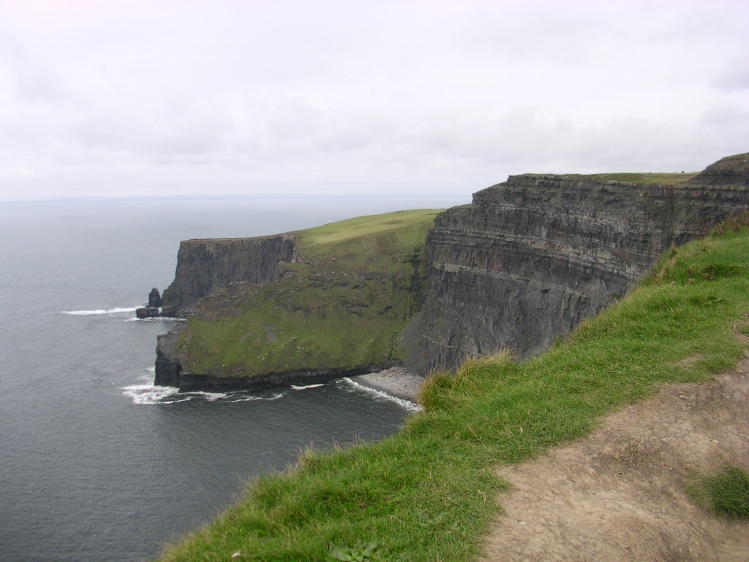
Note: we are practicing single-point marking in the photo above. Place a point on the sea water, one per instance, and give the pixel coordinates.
(95, 462)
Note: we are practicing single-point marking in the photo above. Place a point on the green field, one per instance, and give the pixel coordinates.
(343, 304)
(429, 492)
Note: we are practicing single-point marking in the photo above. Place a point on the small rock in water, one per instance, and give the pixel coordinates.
(154, 298)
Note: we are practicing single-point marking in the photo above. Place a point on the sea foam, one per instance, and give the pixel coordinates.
(402, 402)
(99, 311)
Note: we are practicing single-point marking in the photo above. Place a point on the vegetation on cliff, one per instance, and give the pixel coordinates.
(427, 493)
(640, 178)
(342, 303)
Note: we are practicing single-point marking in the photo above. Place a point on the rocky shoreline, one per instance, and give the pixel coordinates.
(396, 381)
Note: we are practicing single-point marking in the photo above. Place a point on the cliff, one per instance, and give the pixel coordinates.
(306, 306)
(521, 266)
(533, 256)
(618, 494)
(209, 264)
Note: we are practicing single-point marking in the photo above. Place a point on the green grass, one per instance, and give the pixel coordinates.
(429, 491)
(343, 305)
(724, 492)
(643, 178)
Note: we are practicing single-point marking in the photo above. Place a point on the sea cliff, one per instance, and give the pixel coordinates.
(518, 268)
(533, 256)
(299, 307)
(209, 264)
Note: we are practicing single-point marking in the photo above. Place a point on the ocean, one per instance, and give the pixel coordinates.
(95, 462)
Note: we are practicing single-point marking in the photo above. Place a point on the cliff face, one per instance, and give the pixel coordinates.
(209, 264)
(313, 305)
(532, 257)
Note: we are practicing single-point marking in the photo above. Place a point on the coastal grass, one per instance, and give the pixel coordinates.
(641, 178)
(342, 304)
(429, 491)
(724, 492)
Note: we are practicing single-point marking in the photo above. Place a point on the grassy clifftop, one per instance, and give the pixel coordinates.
(642, 178)
(428, 492)
(342, 303)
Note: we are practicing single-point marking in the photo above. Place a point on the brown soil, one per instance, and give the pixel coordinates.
(619, 493)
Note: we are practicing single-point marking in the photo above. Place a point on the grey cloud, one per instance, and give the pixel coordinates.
(333, 96)
(734, 78)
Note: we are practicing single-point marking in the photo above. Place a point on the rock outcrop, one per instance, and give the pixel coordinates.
(147, 312)
(731, 170)
(533, 256)
(154, 298)
(204, 265)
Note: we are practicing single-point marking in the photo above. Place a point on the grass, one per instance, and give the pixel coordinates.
(428, 492)
(724, 492)
(642, 178)
(344, 304)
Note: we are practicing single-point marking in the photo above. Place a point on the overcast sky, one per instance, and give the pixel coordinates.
(129, 98)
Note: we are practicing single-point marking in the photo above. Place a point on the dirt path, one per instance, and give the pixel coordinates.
(618, 494)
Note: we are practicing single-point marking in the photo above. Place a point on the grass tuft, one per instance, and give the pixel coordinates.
(724, 492)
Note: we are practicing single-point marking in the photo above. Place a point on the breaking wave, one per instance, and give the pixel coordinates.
(99, 311)
(147, 393)
(402, 402)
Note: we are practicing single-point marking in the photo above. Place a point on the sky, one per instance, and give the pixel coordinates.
(298, 98)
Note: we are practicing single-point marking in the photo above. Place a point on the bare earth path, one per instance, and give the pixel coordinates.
(618, 494)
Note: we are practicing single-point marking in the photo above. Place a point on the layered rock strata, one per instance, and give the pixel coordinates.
(532, 257)
(204, 265)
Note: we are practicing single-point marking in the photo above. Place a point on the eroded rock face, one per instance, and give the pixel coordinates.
(533, 256)
(209, 264)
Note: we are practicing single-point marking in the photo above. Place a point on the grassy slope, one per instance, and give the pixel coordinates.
(345, 305)
(428, 492)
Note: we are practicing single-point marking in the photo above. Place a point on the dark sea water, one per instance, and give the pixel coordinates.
(96, 463)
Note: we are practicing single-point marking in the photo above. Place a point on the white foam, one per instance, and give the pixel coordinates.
(295, 387)
(99, 311)
(152, 394)
(402, 402)
(147, 393)
(156, 319)
(209, 396)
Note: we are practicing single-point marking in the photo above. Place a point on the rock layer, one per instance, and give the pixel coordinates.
(204, 265)
(532, 257)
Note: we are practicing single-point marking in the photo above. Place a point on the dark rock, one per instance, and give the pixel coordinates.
(189, 382)
(533, 256)
(208, 264)
(168, 366)
(147, 312)
(154, 298)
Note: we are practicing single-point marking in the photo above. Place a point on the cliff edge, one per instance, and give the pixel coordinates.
(533, 256)
(298, 307)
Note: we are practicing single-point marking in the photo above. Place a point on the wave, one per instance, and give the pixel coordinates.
(157, 319)
(99, 311)
(295, 387)
(402, 402)
(148, 394)
(152, 394)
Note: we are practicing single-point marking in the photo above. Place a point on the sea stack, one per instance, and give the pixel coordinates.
(154, 298)
(154, 306)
